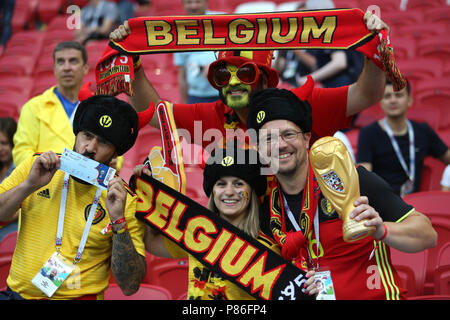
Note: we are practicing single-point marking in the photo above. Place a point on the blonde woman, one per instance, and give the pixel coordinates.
(233, 190)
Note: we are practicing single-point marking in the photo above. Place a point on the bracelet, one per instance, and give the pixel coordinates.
(109, 226)
(384, 235)
(121, 230)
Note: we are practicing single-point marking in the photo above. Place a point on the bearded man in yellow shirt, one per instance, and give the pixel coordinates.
(39, 189)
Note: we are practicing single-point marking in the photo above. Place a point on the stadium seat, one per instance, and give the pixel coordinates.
(352, 136)
(438, 15)
(48, 9)
(21, 85)
(434, 202)
(57, 23)
(404, 47)
(171, 274)
(443, 258)
(11, 104)
(23, 16)
(433, 92)
(16, 65)
(425, 114)
(424, 5)
(420, 69)
(434, 47)
(431, 174)
(411, 268)
(5, 265)
(52, 38)
(422, 31)
(41, 83)
(32, 38)
(145, 292)
(169, 93)
(194, 182)
(8, 244)
(399, 19)
(162, 77)
(442, 280)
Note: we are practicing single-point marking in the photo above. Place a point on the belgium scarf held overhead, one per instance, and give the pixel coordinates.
(322, 29)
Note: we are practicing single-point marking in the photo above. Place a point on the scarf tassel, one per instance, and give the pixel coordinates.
(390, 67)
(115, 86)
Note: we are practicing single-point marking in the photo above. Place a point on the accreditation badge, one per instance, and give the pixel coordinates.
(407, 188)
(54, 272)
(325, 286)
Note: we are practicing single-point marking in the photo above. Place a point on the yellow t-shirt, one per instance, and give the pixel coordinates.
(37, 234)
(204, 284)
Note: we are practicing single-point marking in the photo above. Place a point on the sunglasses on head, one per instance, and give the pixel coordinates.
(248, 73)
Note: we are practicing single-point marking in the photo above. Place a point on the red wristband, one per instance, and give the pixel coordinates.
(384, 235)
(109, 226)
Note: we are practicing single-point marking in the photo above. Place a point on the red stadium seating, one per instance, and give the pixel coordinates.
(424, 4)
(404, 47)
(433, 92)
(399, 18)
(420, 69)
(48, 9)
(8, 244)
(171, 274)
(433, 204)
(21, 85)
(24, 15)
(439, 15)
(145, 292)
(11, 104)
(431, 174)
(16, 65)
(411, 268)
(425, 114)
(434, 47)
(5, 265)
(33, 38)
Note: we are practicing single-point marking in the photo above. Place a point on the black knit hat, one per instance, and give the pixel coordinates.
(274, 104)
(235, 162)
(110, 118)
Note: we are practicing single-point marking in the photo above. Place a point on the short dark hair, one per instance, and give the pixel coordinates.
(408, 85)
(8, 126)
(71, 45)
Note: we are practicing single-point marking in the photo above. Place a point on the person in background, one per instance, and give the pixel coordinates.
(8, 127)
(98, 19)
(230, 112)
(395, 147)
(7, 10)
(233, 193)
(307, 226)
(193, 66)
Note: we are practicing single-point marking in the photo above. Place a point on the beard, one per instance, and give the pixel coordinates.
(242, 101)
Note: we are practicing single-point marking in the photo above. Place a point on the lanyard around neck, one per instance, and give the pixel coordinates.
(297, 228)
(412, 155)
(62, 213)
